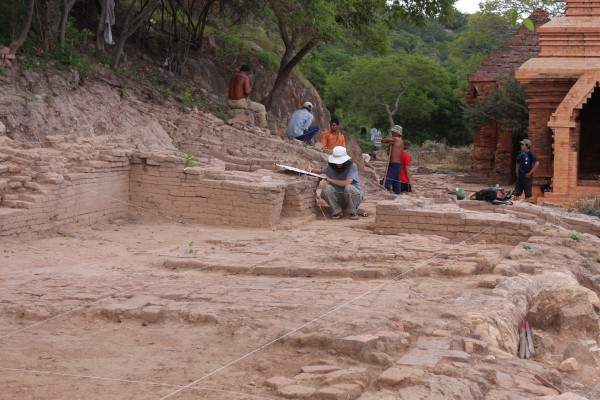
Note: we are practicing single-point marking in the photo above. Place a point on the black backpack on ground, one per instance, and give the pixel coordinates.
(495, 195)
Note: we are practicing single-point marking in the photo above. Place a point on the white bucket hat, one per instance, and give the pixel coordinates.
(397, 129)
(339, 155)
(308, 105)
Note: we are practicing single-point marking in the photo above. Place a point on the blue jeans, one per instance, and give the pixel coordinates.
(308, 134)
(392, 179)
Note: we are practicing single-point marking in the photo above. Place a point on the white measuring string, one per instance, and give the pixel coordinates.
(72, 310)
(423, 263)
(322, 316)
(144, 285)
(55, 254)
(112, 295)
(118, 380)
(593, 390)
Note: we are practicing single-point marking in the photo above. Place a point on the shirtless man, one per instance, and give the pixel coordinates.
(395, 149)
(239, 90)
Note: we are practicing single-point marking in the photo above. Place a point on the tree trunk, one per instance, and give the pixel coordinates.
(67, 5)
(389, 111)
(202, 22)
(131, 24)
(20, 39)
(51, 23)
(285, 70)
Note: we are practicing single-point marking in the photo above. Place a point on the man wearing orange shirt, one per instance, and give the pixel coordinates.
(239, 90)
(333, 137)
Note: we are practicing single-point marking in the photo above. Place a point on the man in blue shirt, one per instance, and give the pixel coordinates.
(343, 190)
(527, 163)
(299, 124)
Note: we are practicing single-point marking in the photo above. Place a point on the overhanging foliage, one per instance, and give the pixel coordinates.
(506, 106)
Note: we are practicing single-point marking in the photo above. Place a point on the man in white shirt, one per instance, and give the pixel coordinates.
(299, 124)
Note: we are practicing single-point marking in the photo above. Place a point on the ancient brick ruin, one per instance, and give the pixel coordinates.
(494, 150)
(562, 86)
(60, 183)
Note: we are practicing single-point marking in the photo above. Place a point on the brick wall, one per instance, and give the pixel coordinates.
(83, 198)
(163, 187)
(583, 8)
(493, 149)
(393, 218)
(558, 83)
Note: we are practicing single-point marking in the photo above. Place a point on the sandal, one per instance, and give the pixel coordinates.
(354, 216)
(337, 216)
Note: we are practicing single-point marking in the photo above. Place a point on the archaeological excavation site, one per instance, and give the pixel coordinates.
(153, 251)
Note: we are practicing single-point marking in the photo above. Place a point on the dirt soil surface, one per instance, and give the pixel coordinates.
(131, 309)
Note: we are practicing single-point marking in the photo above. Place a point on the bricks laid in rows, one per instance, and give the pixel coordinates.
(392, 219)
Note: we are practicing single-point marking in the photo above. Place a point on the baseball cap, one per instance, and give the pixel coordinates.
(308, 105)
(526, 142)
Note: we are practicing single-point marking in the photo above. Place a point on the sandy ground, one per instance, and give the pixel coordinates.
(325, 310)
(132, 310)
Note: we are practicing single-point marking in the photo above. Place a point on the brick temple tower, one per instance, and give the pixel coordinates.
(494, 151)
(563, 87)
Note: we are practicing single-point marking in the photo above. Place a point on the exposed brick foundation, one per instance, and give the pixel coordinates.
(80, 198)
(394, 218)
(147, 185)
(214, 196)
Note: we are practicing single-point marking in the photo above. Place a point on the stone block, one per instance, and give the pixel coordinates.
(350, 375)
(400, 375)
(357, 344)
(339, 392)
(151, 314)
(278, 382)
(319, 369)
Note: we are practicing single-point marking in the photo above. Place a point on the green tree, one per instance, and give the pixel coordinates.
(387, 85)
(506, 106)
(412, 90)
(524, 8)
(137, 14)
(10, 13)
(303, 24)
(485, 33)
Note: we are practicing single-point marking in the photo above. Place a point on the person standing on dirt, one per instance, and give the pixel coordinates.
(333, 137)
(299, 124)
(239, 90)
(527, 163)
(395, 149)
(343, 190)
(405, 176)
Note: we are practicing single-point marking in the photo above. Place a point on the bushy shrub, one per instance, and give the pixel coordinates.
(431, 151)
(439, 156)
(588, 205)
(269, 59)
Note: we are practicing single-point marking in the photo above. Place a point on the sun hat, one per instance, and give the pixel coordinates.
(308, 105)
(526, 142)
(339, 155)
(397, 129)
